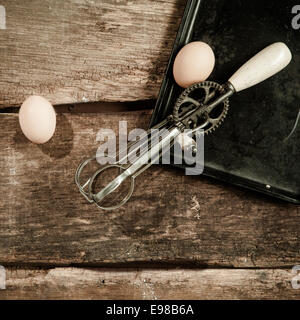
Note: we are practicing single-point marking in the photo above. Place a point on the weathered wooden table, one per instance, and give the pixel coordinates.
(179, 237)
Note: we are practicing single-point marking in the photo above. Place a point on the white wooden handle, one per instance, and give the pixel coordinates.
(262, 66)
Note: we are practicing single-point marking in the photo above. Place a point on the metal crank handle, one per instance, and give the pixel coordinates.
(142, 163)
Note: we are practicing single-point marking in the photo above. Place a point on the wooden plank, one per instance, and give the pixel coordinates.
(171, 217)
(72, 283)
(84, 50)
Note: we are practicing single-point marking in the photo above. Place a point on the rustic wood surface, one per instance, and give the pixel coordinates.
(171, 217)
(78, 51)
(84, 50)
(77, 283)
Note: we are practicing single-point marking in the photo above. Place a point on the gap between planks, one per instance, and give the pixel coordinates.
(145, 265)
(95, 107)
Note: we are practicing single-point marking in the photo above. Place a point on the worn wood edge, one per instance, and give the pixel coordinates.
(181, 284)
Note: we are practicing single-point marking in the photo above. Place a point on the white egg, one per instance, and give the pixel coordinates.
(194, 63)
(37, 119)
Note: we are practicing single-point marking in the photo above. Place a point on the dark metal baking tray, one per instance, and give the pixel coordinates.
(249, 149)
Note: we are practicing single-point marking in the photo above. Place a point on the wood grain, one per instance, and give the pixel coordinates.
(171, 218)
(77, 283)
(83, 50)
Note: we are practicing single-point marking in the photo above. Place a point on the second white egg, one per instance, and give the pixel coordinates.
(37, 119)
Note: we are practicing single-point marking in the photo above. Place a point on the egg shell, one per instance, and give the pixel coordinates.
(193, 64)
(37, 119)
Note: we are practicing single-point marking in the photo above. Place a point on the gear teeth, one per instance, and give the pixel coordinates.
(220, 122)
(206, 85)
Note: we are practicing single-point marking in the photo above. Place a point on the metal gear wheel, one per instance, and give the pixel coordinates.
(193, 107)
